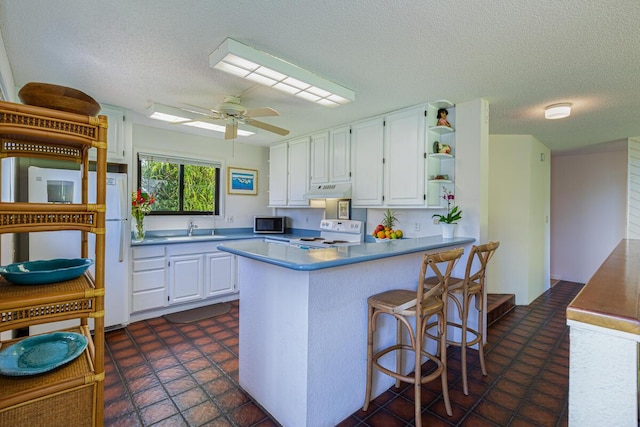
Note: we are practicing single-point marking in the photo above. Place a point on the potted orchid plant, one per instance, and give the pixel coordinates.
(454, 214)
(140, 206)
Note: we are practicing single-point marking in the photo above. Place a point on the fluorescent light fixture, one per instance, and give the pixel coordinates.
(167, 114)
(188, 118)
(248, 63)
(557, 111)
(217, 128)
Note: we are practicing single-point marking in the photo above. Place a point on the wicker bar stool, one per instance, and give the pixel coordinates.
(472, 285)
(423, 305)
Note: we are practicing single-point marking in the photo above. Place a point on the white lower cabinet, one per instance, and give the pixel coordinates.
(220, 274)
(149, 278)
(185, 278)
(180, 273)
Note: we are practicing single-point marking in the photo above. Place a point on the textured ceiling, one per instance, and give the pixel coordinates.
(519, 55)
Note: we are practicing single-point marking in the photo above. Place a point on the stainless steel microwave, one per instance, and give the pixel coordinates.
(269, 224)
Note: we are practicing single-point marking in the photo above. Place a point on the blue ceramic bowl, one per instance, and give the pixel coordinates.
(45, 271)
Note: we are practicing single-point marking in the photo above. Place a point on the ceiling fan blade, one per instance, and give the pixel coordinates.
(266, 126)
(231, 130)
(209, 118)
(261, 112)
(197, 107)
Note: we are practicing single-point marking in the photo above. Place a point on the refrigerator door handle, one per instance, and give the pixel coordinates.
(124, 207)
(122, 240)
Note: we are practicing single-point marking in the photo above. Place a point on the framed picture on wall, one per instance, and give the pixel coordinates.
(242, 181)
(343, 209)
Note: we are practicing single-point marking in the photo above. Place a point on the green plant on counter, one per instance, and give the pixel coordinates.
(453, 214)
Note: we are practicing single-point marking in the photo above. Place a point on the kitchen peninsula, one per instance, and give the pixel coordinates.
(604, 322)
(303, 321)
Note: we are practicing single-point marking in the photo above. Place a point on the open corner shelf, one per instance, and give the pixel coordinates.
(71, 394)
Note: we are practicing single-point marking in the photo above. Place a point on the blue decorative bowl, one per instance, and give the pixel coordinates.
(41, 353)
(45, 271)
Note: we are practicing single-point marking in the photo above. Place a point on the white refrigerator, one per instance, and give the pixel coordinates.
(64, 186)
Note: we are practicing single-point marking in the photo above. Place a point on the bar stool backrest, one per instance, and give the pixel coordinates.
(483, 253)
(431, 261)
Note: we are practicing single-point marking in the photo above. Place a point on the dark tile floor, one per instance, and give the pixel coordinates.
(164, 374)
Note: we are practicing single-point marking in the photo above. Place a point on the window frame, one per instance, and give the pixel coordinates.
(218, 194)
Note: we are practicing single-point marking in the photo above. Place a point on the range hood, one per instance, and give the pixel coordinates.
(329, 191)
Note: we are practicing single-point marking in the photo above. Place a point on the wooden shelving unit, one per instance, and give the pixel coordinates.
(73, 393)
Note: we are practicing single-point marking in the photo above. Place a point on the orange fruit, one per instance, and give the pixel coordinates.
(381, 235)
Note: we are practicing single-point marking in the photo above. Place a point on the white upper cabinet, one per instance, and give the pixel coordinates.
(320, 158)
(117, 134)
(404, 155)
(340, 154)
(367, 139)
(402, 159)
(278, 175)
(331, 156)
(298, 182)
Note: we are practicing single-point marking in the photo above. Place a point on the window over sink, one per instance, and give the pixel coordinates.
(180, 186)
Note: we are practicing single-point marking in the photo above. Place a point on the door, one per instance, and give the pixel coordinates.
(319, 164)
(340, 155)
(298, 181)
(367, 141)
(219, 274)
(185, 278)
(405, 158)
(278, 175)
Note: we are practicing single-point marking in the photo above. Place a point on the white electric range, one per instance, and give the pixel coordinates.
(333, 233)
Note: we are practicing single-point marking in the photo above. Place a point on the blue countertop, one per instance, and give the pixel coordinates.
(315, 259)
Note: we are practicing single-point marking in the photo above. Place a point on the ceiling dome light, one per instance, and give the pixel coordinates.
(557, 111)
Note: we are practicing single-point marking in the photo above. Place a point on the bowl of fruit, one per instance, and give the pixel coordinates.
(384, 231)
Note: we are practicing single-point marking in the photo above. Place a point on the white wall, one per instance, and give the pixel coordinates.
(241, 208)
(588, 215)
(519, 178)
(7, 85)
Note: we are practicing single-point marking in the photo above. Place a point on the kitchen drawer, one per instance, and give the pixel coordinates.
(148, 251)
(148, 300)
(149, 264)
(152, 279)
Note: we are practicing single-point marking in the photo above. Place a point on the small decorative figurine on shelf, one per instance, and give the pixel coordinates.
(442, 118)
(444, 149)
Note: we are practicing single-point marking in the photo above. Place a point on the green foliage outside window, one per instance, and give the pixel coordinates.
(179, 187)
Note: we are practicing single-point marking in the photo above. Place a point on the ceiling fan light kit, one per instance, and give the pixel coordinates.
(246, 62)
(231, 111)
(557, 111)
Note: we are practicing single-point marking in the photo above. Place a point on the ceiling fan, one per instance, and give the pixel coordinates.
(232, 111)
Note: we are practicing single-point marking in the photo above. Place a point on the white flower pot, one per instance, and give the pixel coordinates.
(448, 230)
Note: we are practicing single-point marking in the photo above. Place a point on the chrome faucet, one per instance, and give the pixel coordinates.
(191, 227)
